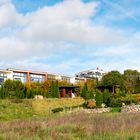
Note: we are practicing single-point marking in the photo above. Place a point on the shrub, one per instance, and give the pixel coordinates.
(138, 97)
(130, 98)
(85, 92)
(91, 104)
(59, 109)
(116, 102)
(116, 109)
(54, 89)
(99, 98)
(106, 97)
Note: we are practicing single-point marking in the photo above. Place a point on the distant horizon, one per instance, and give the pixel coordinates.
(69, 36)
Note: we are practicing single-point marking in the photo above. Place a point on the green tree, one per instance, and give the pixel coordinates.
(8, 84)
(99, 98)
(106, 97)
(54, 89)
(113, 79)
(131, 80)
(85, 92)
(57, 93)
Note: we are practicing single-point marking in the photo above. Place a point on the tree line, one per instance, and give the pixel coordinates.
(114, 88)
(16, 89)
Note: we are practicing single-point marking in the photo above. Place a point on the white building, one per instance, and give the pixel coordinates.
(94, 73)
(33, 76)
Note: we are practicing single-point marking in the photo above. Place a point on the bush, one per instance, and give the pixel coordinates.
(91, 104)
(130, 98)
(85, 92)
(138, 97)
(106, 97)
(116, 109)
(59, 109)
(99, 98)
(116, 102)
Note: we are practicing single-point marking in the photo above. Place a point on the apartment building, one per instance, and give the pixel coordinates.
(4, 75)
(88, 74)
(22, 75)
(26, 76)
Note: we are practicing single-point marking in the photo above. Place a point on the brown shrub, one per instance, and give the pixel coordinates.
(138, 97)
(91, 104)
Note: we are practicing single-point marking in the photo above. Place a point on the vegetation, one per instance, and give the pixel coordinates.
(131, 80)
(30, 108)
(74, 126)
(26, 118)
(106, 97)
(13, 89)
(99, 98)
(113, 79)
(117, 88)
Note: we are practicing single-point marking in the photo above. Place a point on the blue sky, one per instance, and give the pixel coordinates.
(68, 36)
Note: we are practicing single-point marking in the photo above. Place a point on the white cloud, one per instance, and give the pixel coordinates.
(51, 30)
(68, 21)
(9, 16)
(4, 2)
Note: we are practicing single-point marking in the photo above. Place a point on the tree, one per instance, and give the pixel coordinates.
(99, 98)
(54, 89)
(14, 89)
(131, 80)
(8, 84)
(113, 79)
(106, 97)
(57, 93)
(85, 92)
(91, 83)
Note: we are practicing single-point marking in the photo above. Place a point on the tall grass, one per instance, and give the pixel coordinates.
(29, 108)
(75, 126)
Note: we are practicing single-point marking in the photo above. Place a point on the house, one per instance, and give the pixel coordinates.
(27, 76)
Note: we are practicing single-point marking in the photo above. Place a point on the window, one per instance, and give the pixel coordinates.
(1, 80)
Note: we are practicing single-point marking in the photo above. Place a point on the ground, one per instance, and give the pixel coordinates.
(64, 126)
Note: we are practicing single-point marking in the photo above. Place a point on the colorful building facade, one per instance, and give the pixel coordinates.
(26, 76)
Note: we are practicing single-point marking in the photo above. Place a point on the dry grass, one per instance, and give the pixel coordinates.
(75, 126)
(29, 108)
(44, 107)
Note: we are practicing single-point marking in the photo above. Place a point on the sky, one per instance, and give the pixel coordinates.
(69, 36)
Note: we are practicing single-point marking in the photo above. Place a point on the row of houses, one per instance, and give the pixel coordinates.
(26, 76)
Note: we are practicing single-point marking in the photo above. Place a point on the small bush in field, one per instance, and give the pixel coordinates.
(57, 110)
(116, 109)
(91, 104)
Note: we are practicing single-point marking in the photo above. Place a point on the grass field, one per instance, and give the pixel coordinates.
(30, 108)
(74, 126)
(33, 120)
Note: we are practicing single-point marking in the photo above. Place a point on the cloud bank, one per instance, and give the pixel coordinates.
(63, 38)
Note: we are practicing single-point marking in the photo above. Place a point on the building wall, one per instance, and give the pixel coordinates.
(96, 73)
(31, 76)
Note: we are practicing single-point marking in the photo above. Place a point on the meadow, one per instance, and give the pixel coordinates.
(11, 109)
(74, 126)
(31, 119)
